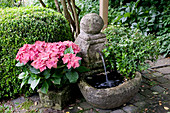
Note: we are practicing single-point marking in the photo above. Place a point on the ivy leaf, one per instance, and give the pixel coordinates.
(19, 64)
(72, 76)
(82, 69)
(33, 70)
(44, 87)
(47, 74)
(34, 83)
(21, 75)
(69, 50)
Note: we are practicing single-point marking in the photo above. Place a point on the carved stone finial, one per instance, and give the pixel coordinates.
(91, 23)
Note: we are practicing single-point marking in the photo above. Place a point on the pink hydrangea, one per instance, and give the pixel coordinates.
(71, 60)
(46, 55)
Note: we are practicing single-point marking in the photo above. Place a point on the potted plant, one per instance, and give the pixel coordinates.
(52, 67)
(125, 54)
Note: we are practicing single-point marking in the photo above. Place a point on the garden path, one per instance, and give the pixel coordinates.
(153, 96)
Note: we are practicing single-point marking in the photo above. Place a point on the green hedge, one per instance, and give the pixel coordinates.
(25, 25)
(127, 50)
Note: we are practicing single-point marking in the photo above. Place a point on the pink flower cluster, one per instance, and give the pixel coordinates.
(45, 55)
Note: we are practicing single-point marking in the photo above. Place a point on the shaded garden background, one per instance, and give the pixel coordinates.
(150, 16)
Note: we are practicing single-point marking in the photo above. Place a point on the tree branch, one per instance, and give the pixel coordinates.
(42, 3)
(67, 14)
(57, 6)
(76, 17)
(70, 7)
(79, 10)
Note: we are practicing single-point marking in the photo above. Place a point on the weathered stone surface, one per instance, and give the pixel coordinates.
(162, 62)
(91, 41)
(158, 89)
(110, 97)
(156, 74)
(147, 93)
(91, 23)
(130, 109)
(18, 101)
(140, 105)
(118, 111)
(167, 77)
(137, 97)
(90, 45)
(149, 76)
(166, 85)
(165, 70)
(103, 111)
(161, 80)
(85, 105)
(56, 99)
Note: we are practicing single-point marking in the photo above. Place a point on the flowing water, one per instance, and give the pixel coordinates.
(98, 83)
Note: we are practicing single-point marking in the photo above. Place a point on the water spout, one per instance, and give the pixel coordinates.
(108, 82)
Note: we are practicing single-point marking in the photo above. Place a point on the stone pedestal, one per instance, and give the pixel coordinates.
(91, 40)
(56, 99)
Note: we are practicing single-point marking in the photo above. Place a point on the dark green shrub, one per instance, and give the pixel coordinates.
(165, 44)
(148, 16)
(128, 49)
(25, 25)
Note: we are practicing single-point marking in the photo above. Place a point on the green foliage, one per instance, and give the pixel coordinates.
(25, 25)
(48, 3)
(127, 49)
(165, 44)
(6, 109)
(6, 3)
(87, 6)
(147, 19)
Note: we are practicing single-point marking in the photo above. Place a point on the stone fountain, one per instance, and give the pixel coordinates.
(91, 40)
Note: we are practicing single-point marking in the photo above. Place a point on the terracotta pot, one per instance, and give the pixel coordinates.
(113, 97)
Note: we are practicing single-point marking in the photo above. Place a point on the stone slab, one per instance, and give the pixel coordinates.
(130, 109)
(118, 111)
(162, 62)
(103, 111)
(140, 105)
(147, 93)
(157, 89)
(165, 70)
(85, 105)
(166, 85)
(167, 77)
(18, 101)
(157, 74)
(161, 80)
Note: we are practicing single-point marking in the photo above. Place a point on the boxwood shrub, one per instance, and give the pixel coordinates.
(25, 25)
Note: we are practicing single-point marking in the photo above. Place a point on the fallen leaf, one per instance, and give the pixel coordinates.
(70, 107)
(36, 103)
(155, 93)
(80, 108)
(166, 108)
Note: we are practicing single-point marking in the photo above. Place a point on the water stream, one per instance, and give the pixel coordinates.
(108, 82)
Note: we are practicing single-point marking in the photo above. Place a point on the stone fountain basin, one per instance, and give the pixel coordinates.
(113, 97)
